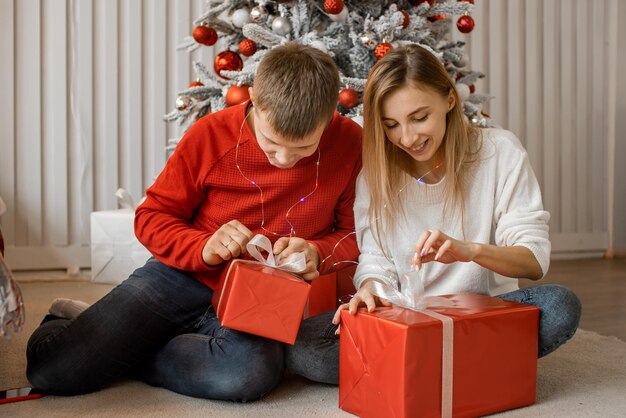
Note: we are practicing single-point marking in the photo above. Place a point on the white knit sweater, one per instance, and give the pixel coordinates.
(503, 207)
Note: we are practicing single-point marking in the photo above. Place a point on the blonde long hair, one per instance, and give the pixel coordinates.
(384, 164)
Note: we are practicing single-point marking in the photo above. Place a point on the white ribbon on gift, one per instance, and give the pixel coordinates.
(410, 295)
(295, 263)
(125, 199)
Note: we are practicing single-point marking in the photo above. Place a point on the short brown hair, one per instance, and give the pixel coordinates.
(298, 87)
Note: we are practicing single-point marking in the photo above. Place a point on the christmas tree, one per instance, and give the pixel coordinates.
(355, 33)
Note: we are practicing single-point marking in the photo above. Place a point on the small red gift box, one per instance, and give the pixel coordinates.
(261, 300)
(345, 286)
(390, 362)
(323, 295)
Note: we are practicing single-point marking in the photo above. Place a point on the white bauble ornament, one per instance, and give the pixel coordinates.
(240, 17)
(319, 45)
(461, 63)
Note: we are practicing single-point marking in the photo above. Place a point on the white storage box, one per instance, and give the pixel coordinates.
(115, 251)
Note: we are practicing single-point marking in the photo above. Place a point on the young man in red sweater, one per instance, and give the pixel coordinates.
(284, 165)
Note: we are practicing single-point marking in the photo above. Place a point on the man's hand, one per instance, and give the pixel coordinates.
(227, 242)
(285, 246)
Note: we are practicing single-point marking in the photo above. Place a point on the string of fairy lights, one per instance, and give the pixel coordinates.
(302, 199)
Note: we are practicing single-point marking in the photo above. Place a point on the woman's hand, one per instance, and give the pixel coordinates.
(513, 261)
(437, 246)
(229, 241)
(286, 246)
(363, 297)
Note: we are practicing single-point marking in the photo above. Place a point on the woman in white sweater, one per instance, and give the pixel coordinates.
(460, 203)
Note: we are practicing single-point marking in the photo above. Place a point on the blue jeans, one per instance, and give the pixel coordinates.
(316, 352)
(159, 326)
(559, 313)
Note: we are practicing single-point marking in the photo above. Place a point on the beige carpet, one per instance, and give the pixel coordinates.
(584, 378)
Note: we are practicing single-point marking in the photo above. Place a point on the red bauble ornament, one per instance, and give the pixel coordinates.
(348, 98)
(465, 24)
(406, 20)
(196, 83)
(472, 88)
(229, 61)
(381, 49)
(436, 18)
(204, 35)
(333, 7)
(237, 94)
(247, 47)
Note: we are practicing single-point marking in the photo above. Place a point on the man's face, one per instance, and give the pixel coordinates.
(282, 152)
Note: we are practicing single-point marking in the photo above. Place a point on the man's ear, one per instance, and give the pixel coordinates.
(251, 93)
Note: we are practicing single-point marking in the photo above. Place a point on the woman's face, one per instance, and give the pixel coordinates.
(414, 120)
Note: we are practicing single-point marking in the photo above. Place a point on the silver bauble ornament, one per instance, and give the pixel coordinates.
(258, 14)
(183, 103)
(281, 25)
(368, 40)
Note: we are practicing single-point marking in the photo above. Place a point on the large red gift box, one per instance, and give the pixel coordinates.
(390, 361)
(261, 300)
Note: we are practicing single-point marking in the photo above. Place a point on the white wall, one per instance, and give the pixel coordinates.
(85, 84)
(619, 156)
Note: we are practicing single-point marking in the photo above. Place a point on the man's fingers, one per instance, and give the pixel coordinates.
(223, 252)
(241, 228)
(309, 277)
(280, 245)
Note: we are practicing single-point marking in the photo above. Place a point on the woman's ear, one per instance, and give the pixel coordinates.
(251, 93)
(451, 100)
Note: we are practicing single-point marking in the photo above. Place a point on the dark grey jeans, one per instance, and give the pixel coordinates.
(158, 326)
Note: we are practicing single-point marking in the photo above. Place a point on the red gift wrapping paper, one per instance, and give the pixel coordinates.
(390, 359)
(261, 300)
(323, 295)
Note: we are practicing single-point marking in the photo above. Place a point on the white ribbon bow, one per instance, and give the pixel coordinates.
(295, 263)
(410, 293)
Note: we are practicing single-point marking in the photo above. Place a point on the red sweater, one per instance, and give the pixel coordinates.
(200, 189)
